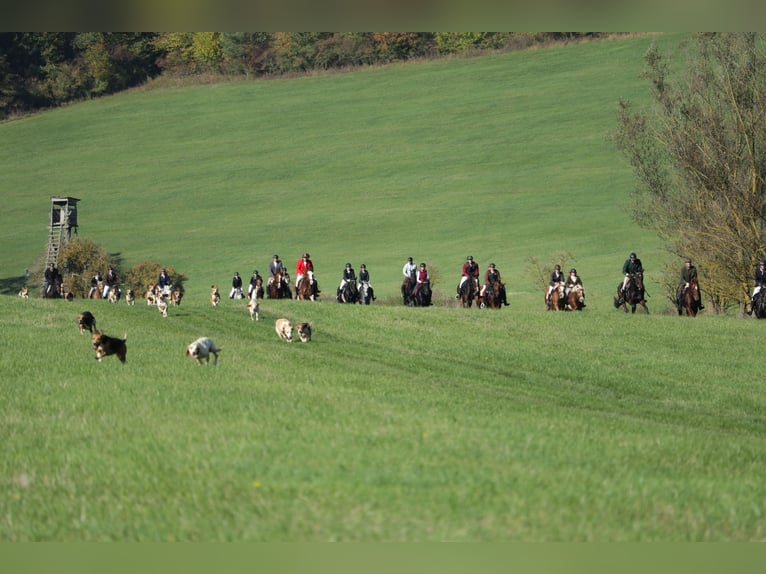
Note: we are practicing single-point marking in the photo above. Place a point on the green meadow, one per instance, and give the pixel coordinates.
(394, 423)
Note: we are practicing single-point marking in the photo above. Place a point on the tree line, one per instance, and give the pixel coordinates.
(48, 69)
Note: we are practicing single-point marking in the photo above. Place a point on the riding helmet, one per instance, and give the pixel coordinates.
(558, 267)
(492, 265)
(306, 255)
(469, 258)
(363, 266)
(632, 255)
(573, 270)
(348, 264)
(762, 262)
(422, 264)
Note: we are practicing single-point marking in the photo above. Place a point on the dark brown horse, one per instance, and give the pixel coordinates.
(407, 286)
(279, 287)
(467, 292)
(556, 300)
(689, 299)
(52, 290)
(634, 294)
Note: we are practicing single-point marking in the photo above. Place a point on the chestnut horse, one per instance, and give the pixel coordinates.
(689, 300)
(575, 299)
(493, 297)
(556, 300)
(279, 287)
(307, 289)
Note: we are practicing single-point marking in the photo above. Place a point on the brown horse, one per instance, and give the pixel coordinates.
(307, 288)
(279, 287)
(689, 299)
(258, 288)
(575, 299)
(556, 300)
(493, 296)
(98, 291)
(407, 286)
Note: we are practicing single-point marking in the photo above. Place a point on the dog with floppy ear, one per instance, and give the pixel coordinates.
(201, 349)
(304, 332)
(284, 329)
(86, 320)
(130, 297)
(24, 293)
(105, 346)
(215, 296)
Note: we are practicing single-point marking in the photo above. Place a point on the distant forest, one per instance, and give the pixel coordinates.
(44, 70)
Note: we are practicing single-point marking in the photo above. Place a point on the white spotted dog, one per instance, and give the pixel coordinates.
(130, 297)
(24, 293)
(215, 296)
(254, 307)
(284, 329)
(201, 349)
(304, 332)
(162, 305)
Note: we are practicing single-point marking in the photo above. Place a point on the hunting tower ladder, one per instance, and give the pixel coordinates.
(63, 220)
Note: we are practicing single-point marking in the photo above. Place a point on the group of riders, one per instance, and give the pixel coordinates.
(416, 282)
(469, 279)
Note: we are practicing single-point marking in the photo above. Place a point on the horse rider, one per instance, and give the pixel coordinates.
(252, 287)
(52, 277)
(422, 277)
(236, 285)
(110, 282)
(409, 268)
(349, 275)
(470, 271)
(491, 276)
(573, 281)
(631, 266)
(163, 282)
(556, 277)
(94, 282)
(688, 272)
(302, 267)
(364, 277)
(275, 267)
(760, 280)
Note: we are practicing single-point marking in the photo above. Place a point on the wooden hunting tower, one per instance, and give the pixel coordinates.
(62, 221)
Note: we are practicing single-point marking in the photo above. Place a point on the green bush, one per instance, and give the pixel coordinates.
(141, 275)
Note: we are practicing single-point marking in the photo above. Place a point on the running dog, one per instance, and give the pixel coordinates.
(130, 297)
(284, 329)
(24, 293)
(304, 332)
(86, 320)
(201, 349)
(162, 305)
(215, 296)
(255, 309)
(105, 346)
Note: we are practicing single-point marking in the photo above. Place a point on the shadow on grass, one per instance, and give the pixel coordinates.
(12, 285)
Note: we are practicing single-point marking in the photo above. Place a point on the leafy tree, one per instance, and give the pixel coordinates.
(81, 259)
(699, 156)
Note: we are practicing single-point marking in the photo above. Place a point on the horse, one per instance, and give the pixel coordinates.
(52, 290)
(467, 292)
(408, 285)
(279, 287)
(421, 295)
(493, 296)
(256, 292)
(758, 304)
(98, 291)
(689, 299)
(575, 301)
(556, 300)
(634, 294)
(365, 293)
(308, 289)
(349, 293)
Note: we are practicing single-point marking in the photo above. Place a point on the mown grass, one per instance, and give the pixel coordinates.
(394, 424)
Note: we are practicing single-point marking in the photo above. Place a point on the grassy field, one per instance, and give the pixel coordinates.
(393, 424)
